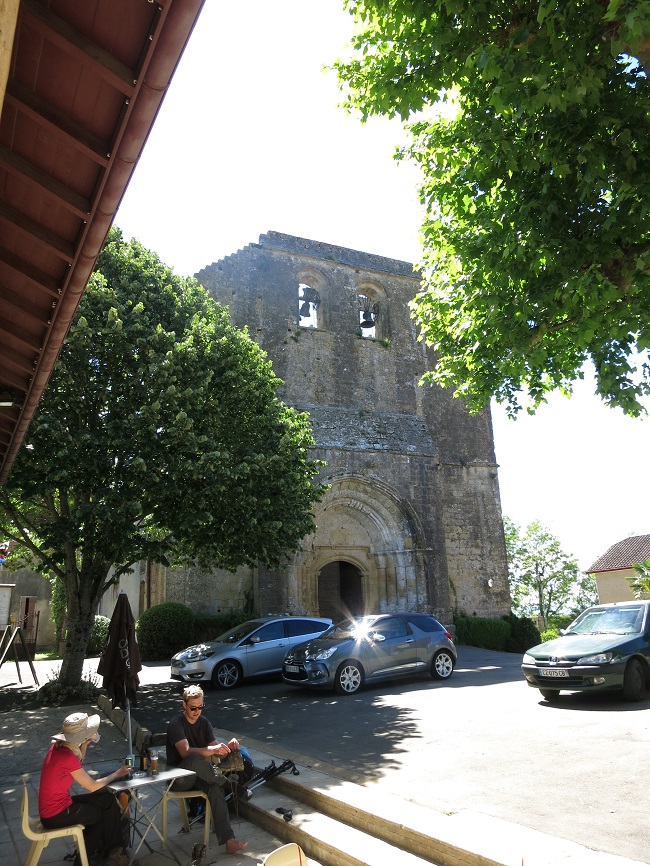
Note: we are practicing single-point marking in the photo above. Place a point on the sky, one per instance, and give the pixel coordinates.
(251, 138)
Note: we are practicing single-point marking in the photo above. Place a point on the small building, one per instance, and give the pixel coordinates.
(613, 568)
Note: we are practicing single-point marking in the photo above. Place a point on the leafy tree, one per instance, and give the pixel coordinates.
(536, 236)
(640, 583)
(159, 437)
(544, 581)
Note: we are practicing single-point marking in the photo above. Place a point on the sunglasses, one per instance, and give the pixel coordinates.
(195, 709)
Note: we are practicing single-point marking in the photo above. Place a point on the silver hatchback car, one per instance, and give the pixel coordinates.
(252, 649)
(370, 648)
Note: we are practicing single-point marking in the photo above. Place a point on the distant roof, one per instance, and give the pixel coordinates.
(83, 87)
(624, 554)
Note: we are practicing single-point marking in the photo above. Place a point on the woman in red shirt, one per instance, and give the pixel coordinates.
(98, 810)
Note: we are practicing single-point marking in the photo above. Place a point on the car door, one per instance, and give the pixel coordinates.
(265, 649)
(391, 648)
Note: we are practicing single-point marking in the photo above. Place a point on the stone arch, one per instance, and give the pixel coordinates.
(364, 523)
(312, 290)
(371, 301)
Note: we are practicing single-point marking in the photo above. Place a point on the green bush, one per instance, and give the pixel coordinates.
(54, 694)
(98, 635)
(549, 634)
(163, 630)
(560, 621)
(208, 627)
(523, 634)
(482, 632)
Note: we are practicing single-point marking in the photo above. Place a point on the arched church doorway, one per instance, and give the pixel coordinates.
(340, 591)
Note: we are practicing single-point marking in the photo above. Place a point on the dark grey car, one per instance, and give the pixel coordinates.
(368, 648)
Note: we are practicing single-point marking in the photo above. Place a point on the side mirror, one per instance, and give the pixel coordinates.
(254, 639)
(376, 637)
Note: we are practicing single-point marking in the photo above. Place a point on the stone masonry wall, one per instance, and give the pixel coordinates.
(413, 502)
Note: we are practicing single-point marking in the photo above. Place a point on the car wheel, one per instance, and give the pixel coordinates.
(349, 678)
(226, 675)
(550, 695)
(634, 681)
(442, 665)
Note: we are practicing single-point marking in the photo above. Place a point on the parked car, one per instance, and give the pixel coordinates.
(254, 648)
(368, 648)
(606, 647)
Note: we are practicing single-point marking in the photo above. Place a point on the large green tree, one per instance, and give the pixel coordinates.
(536, 188)
(544, 580)
(159, 437)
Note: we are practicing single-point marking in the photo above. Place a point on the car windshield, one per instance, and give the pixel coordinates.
(239, 632)
(608, 620)
(350, 629)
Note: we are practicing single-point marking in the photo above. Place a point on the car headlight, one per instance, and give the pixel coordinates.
(321, 655)
(198, 654)
(598, 659)
(528, 660)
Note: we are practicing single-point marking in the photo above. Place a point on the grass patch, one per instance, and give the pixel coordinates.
(51, 656)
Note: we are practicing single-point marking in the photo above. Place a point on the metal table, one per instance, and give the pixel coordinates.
(145, 816)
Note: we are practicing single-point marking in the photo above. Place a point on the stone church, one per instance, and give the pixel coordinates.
(412, 516)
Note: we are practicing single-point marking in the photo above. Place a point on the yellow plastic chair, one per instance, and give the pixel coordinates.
(181, 796)
(288, 855)
(41, 838)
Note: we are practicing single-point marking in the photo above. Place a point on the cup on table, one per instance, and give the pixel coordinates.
(153, 759)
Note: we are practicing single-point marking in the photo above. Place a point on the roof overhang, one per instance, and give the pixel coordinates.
(84, 82)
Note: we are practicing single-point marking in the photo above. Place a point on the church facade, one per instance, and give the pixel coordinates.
(411, 519)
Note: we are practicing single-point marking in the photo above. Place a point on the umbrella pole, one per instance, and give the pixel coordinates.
(128, 725)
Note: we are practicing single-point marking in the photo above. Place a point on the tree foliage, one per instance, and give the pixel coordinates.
(544, 580)
(536, 236)
(640, 582)
(159, 437)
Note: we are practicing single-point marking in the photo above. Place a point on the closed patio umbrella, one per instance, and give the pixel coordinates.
(120, 660)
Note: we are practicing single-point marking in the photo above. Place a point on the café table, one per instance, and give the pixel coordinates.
(138, 785)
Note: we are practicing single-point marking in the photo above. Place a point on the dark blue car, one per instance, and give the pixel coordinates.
(606, 647)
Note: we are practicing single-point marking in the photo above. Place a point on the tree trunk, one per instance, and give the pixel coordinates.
(82, 598)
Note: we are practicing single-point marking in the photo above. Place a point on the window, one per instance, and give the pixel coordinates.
(368, 316)
(308, 304)
(296, 627)
(390, 628)
(271, 631)
(424, 622)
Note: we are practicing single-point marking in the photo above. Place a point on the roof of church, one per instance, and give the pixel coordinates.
(624, 554)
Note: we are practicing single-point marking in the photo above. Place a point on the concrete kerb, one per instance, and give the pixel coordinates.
(141, 737)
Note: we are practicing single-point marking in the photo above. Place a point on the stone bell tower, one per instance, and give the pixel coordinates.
(412, 516)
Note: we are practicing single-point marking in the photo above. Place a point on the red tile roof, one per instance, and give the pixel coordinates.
(624, 554)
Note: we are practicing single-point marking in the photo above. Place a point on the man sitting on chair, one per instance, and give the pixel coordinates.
(190, 745)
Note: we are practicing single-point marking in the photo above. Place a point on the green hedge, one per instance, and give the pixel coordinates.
(166, 628)
(509, 634)
(98, 636)
(206, 628)
(163, 630)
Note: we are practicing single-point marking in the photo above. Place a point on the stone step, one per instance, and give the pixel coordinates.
(325, 839)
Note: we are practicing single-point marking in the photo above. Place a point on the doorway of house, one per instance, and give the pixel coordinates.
(340, 592)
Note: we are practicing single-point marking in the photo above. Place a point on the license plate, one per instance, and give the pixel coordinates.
(292, 669)
(553, 672)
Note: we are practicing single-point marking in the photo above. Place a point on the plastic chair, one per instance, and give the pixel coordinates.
(182, 796)
(41, 838)
(288, 855)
